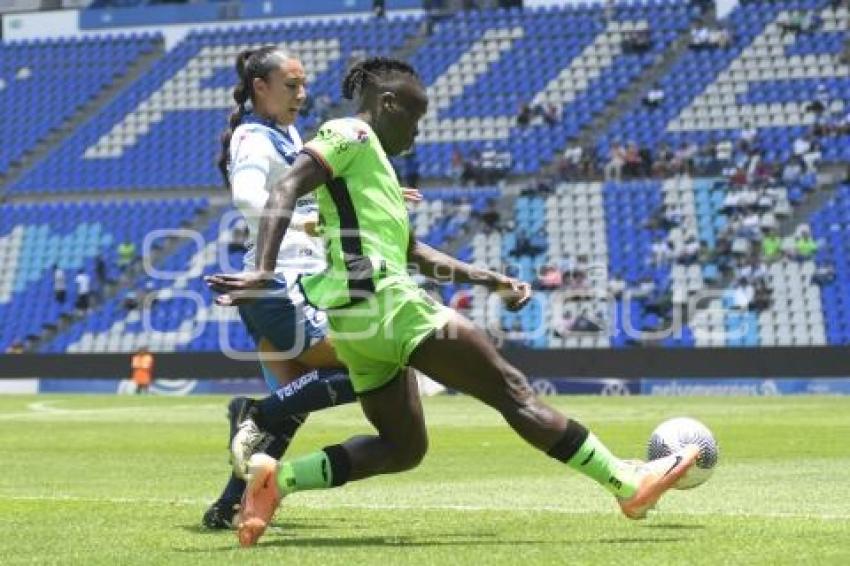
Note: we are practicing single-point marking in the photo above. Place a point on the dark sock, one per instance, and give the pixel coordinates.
(236, 487)
(232, 491)
(312, 391)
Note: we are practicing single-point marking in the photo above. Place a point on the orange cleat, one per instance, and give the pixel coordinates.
(658, 476)
(260, 500)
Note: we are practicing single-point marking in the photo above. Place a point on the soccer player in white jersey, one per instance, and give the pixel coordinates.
(298, 362)
(297, 359)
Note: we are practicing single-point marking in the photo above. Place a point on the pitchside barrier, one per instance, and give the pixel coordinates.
(639, 363)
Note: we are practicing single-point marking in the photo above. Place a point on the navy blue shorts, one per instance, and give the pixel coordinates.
(285, 320)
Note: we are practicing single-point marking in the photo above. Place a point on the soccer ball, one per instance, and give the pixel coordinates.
(674, 434)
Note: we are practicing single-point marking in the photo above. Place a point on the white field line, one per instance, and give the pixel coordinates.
(48, 408)
(192, 502)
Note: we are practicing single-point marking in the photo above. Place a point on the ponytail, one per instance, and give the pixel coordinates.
(250, 64)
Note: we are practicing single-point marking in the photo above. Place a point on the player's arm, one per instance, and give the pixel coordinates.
(437, 265)
(305, 175)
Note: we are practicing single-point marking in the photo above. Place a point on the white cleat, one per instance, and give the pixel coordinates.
(247, 441)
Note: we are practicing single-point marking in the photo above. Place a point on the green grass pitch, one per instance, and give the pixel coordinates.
(120, 480)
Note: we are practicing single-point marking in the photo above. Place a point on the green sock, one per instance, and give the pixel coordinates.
(595, 461)
(312, 471)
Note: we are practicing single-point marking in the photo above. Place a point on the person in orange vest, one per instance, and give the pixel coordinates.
(142, 366)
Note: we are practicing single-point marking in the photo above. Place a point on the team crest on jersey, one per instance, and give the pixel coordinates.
(343, 136)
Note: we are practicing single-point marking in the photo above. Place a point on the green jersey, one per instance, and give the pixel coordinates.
(362, 216)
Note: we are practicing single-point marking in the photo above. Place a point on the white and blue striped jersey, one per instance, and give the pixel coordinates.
(260, 153)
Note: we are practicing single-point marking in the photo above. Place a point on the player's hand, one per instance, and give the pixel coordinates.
(411, 195)
(515, 293)
(238, 288)
(311, 227)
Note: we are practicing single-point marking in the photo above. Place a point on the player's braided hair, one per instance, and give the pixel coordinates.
(370, 73)
(250, 64)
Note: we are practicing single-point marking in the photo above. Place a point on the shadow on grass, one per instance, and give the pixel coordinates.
(676, 527)
(640, 540)
(284, 526)
(398, 541)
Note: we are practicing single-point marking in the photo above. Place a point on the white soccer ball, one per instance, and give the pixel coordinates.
(673, 435)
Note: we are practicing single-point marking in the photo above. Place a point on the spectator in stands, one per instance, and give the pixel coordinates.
(805, 246)
(617, 286)
(749, 137)
(83, 283)
(722, 37)
(457, 165)
(743, 294)
(60, 285)
(632, 161)
(569, 165)
(567, 267)
(100, 272)
(690, 251)
(141, 366)
(524, 115)
(672, 217)
(494, 164)
(637, 41)
(616, 161)
(131, 300)
(723, 153)
(790, 22)
(550, 113)
(793, 169)
(762, 296)
(824, 274)
(379, 8)
(645, 161)
(550, 279)
(660, 302)
(661, 166)
(705, 162)
(683, 159)
(813, 155)
(821, 102)
(491, 217)
(471, 173)
(16, 347)
(126, 255)
(660, 257)
(582, 267)
(700, 36)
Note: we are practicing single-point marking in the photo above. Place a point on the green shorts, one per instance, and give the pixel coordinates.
(376, 337)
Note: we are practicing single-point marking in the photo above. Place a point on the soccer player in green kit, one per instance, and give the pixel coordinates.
(381, 324)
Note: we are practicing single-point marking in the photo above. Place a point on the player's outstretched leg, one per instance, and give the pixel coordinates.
(469, 363)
